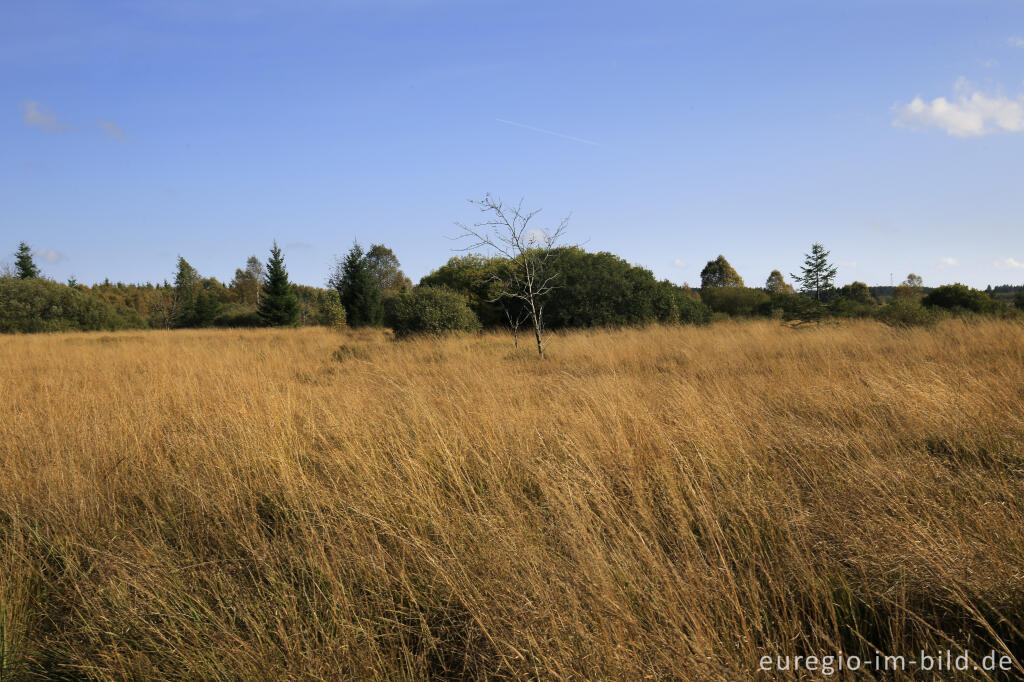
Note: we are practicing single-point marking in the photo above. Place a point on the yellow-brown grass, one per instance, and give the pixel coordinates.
(659, 503)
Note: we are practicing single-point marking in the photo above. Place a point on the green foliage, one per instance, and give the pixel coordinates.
(247, 285)
(902, 312)
(718, 273)
(472, 276)
(39, 305)
(429, 310)
(674, 304)
(386, 269)
(237, 315)
(329, 310)
(853, 300)
(207, 308)
(960, 298)
(776, 284)
(1018, 300)
(736, 301)
(25, 267)
(195, 301)
(598, 289)
(817, 274)
(592, 289)
(358, 288)
(798, 308)
(186, 290)
(911, 289)
(279, 306)
(858, 292)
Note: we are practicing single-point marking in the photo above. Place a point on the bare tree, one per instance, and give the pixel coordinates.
(526, 274)
(516, 321)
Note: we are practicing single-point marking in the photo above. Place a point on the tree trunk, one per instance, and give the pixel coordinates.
(535, 316)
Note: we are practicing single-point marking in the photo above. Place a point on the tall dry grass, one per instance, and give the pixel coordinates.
(661, 503)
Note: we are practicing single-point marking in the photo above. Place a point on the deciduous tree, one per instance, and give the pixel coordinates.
(525, 274)
(718, 273)
(776, 284)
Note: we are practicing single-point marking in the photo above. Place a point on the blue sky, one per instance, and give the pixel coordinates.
(893, 132)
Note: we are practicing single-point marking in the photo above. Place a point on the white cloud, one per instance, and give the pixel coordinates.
(1011, 263)
(38, 116)
(971, 114)
(48, 255)
(679, 262)
(534, 236)
(1016, 41)
(111, 130)
(949, 260)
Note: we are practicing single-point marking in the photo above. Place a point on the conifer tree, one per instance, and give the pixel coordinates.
(817, 274)
(279, 307)
(186, 291)
(358, 288)
(24, 266)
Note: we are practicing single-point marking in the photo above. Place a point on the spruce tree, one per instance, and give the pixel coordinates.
(23, 263)
(186, 290)
(817, 274)
(279, 306)
(358, 288)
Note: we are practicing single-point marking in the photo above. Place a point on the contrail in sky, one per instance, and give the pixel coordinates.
(546, 132)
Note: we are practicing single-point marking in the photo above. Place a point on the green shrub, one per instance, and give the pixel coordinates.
(797, 308)
(850, 307)
(958, 298)
(903, 312)
(41, 305)
(591, 290)
(329, 310)
(736, 301)
(237, 315)
(691, 310)
(429, 310)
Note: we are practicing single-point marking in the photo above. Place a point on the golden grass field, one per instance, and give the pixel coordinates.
(665, 503)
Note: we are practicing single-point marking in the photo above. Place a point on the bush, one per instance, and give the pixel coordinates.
(41, 305)
(236, 315)
(960, 297)
(329, 310)
(797, 308)
(691, 310)
(429, 310)
(903, 312)
(736, 301)
(849, 307)
(601, 289)
(591, 290)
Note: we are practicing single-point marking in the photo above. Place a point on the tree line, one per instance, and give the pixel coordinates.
(529, 280)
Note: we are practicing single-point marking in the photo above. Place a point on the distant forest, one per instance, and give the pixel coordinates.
(368, 288)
